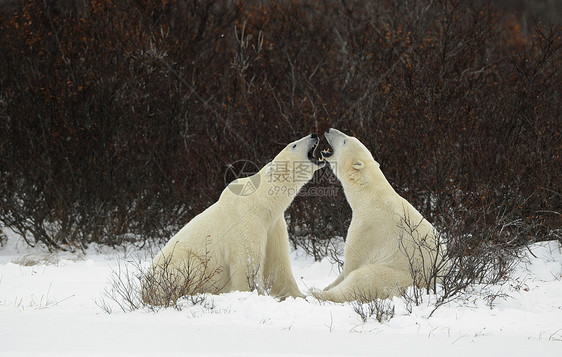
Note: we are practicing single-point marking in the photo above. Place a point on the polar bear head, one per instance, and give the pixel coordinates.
(350, 160)
(295, 164)
(301, 149)
(291, 169)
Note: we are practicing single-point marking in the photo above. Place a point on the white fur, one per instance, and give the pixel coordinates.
(382, 244)
(241, 242)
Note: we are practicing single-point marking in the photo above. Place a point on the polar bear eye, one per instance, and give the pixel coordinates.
(294, 146)
(345, 142)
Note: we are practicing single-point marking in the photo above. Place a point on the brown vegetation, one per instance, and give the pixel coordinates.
(118, 118)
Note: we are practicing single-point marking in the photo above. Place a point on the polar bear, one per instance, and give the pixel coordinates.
(389, 245)
(241, 241)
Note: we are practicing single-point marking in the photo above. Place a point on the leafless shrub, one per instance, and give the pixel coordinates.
(319, 217)
(479, 258)
(132, 285)
(257, 281)
(366, 307)
(164, 284)
(426, 254)
(336, 252)
(3, 238)
(37, 259)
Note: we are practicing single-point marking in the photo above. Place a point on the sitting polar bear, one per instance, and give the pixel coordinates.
(241, 241)
(389, 245)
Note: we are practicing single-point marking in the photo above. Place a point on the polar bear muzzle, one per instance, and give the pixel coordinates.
(312, 151)
(329, 151)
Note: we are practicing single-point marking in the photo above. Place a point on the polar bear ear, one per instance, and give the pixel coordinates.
(358, 165)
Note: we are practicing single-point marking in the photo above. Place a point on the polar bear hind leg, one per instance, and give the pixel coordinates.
(369, 282)
(246, 268)
(336, 282)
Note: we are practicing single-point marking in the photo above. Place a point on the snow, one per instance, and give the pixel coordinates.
(49, 306)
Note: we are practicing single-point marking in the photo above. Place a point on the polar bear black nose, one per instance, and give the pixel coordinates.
(314, 136)
(327, 131)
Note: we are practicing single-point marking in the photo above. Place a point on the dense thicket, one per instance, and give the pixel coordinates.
(119, 119)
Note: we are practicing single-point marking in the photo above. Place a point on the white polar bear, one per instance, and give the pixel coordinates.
(389, 245)
(241, 241)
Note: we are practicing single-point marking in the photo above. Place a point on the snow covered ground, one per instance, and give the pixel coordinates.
(48, 308)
